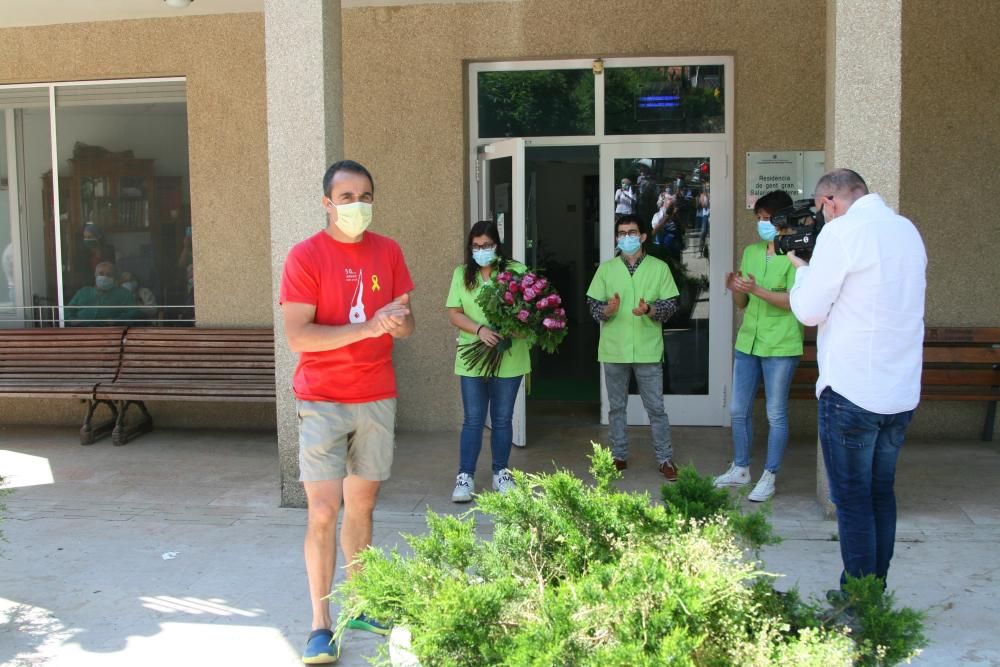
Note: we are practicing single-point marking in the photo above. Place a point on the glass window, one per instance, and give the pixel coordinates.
(672, 99)
(8, 279)
(121, 247)
(126, 229)
(27, 224)
(542, 103)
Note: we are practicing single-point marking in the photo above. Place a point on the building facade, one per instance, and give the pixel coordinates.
(270, 94)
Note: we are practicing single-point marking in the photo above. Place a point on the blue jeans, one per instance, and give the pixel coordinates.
(777, 373)
(860, 449)
(649, 378)
(478, 395)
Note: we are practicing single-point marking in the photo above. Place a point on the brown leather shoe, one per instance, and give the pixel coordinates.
(668, 470)
(621, 464)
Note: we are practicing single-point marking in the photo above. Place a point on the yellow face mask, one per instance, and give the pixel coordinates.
(353, 219)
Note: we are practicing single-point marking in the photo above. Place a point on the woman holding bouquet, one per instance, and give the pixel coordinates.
(482, 391)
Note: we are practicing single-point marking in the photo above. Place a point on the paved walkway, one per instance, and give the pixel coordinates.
(172, 550)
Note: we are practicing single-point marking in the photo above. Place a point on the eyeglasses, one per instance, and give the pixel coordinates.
(488, 246)
(632, 234)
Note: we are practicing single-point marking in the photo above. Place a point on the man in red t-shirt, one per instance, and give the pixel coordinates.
(345, 295)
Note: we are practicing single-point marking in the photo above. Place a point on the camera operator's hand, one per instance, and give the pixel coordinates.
(796, 261)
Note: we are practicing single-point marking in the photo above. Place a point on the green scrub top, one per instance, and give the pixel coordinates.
(516, 361)
(628, 338)
(768, 331)
(92, 307)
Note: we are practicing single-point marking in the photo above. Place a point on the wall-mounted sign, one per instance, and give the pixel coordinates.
(813, 167)
(795, 172)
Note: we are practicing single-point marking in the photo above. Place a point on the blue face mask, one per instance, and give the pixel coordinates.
(629, 245)
(484, 257)
(766, 230)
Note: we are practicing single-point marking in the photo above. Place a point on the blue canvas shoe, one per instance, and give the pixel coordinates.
(321, 648)
(368, 624)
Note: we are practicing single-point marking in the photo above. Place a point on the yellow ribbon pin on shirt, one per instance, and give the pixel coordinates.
(375, 285)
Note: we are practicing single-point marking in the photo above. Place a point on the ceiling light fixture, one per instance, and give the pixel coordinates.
(178, 4)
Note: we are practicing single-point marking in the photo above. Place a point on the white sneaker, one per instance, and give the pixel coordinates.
(522, 445)
(764, 488)
(735, 476)
(503, 481)
(465, 486)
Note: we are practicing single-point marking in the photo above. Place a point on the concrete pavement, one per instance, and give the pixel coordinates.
(172, 550)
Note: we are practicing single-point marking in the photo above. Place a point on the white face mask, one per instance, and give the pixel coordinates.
(131, 285)
(353, 219)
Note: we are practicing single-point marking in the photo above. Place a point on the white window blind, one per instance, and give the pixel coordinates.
(105, 93)
(145, 92)
(24, 98)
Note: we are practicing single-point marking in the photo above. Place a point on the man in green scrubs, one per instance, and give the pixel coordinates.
(102, 304)
(632, 295)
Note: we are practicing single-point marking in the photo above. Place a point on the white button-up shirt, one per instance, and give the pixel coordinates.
(864, 288)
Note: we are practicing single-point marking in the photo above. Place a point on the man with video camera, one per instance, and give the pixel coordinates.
(864, 289)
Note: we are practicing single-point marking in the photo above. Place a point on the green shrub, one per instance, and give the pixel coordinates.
(695, 497)
(589, 575)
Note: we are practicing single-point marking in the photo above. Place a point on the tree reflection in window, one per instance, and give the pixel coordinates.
(536, 103)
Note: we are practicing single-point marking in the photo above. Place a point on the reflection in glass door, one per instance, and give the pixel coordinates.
(10, 255)
(670, 188)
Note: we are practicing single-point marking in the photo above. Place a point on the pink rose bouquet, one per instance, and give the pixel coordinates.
(522, 306)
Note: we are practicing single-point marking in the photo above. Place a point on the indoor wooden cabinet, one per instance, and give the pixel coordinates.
(118, 194)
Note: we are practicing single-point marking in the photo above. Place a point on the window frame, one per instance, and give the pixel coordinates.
(599, 138)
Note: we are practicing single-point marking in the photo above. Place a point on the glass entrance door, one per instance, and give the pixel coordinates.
(678, 189)
(500, 175)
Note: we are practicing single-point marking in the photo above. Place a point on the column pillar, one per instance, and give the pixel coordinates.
(304, 136)
(863, 108)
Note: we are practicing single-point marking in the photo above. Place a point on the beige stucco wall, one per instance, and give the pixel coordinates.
(950, 175)
(223, 60)
(951, 151)
(405, 117)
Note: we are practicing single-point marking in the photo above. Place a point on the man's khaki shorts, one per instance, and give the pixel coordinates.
(341, 439)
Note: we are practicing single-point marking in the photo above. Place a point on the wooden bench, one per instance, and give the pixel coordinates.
(960, 364)
(187, 364)
(61, 363)
(121, 367)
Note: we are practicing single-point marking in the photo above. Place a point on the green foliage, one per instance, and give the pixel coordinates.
(587, 575)
(887, 636)
(695, 497)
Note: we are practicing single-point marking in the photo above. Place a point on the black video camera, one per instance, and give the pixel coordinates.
(804, 225)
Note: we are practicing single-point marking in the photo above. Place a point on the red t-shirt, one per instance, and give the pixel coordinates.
(347, 282)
